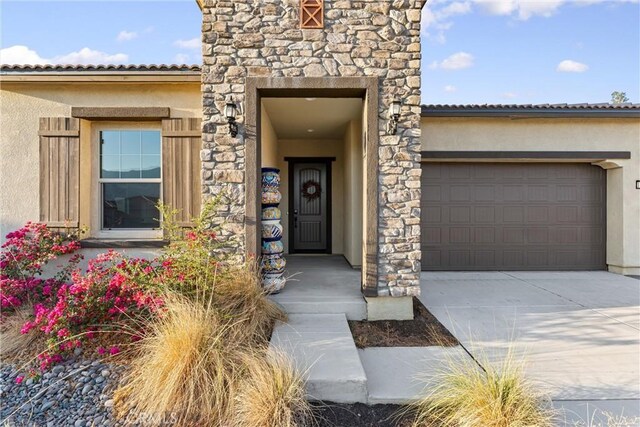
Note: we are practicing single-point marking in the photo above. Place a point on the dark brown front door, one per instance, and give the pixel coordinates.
(310, 207)
(510, 216)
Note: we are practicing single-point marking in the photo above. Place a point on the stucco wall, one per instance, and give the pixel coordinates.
(353, 177)
(22, 104)
(269, 140)
(504, 134)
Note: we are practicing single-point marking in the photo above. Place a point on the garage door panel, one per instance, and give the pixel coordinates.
(513, 216)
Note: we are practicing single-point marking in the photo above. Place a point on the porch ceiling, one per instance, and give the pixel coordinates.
(292, 118)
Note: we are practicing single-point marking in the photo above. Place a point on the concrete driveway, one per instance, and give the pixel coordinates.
(579, 332)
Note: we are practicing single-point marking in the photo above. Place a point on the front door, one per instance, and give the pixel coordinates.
(310, 207)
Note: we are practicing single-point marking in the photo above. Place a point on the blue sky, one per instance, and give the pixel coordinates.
(480, 51)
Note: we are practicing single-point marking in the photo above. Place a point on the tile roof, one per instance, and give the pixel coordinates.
(585, 106)
(430, 110)
(533, 110)
(98, 68)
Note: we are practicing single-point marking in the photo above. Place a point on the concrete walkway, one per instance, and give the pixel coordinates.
(322, 348)
(323, 292)
(579, 332)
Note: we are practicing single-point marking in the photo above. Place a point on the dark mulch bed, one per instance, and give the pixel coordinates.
(423, 331)
(329, 414)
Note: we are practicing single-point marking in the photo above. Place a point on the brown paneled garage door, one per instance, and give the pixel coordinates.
(513, 216)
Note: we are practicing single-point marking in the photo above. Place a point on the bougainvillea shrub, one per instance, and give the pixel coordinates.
(23, 256)
(109, 298)
(107, 304)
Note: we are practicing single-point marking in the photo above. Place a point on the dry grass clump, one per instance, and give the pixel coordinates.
(187, 367)
(498, 396)
(271, 394)
(201, 349)
(239, 295)
(16, 347)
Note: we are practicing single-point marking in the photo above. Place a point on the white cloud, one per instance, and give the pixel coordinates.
(125, 35)
(21, 55)
(509, 95)
(457, 61)
(525, 9)
(193, 43)
(570, 66)
(181, 58)
(450, 88)
(436, 16)
(90, 56)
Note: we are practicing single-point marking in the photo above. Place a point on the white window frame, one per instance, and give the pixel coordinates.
(97, 216)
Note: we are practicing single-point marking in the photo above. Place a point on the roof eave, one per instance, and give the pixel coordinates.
(101, 77)
(532, 113)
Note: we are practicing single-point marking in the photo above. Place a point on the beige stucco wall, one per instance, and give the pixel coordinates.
(22, 104)
(268, 140)
(558, 134)
(353, 177)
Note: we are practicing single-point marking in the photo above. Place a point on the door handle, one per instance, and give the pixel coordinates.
(295, 218)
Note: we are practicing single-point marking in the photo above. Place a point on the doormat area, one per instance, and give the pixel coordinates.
(329, 414)
(423, 331)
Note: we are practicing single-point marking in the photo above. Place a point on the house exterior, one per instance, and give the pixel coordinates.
(315, 86)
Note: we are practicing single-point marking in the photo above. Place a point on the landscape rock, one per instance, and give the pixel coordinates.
(63, 396)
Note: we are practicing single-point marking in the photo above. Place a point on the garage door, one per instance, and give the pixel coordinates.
(513, 216)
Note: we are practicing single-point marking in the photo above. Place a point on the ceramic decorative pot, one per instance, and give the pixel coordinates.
(271, 213)
(271, 230)
(271, 197)
(273, 283)
(270, 178)
(272, 264)
(273, 247)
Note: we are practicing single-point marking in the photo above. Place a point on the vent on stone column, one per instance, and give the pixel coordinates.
(311, 14)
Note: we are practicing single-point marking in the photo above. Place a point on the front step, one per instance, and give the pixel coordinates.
(322, 347)
(353, 309)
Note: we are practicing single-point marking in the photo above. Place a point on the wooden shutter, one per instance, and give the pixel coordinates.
(59, 171)
(311, 14)
(181, 166)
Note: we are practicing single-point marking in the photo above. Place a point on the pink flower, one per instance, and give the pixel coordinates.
(101, 350)
(62, 333)
(19, 379)
(114, 350)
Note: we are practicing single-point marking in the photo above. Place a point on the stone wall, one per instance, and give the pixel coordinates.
(245, 38)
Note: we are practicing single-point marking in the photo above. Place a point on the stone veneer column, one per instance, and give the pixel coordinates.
(246, 38)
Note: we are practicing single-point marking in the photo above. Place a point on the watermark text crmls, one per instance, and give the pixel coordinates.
(155, 419)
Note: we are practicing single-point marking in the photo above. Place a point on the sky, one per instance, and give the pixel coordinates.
(474, 51)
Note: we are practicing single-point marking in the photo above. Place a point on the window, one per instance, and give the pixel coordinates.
(130, 180)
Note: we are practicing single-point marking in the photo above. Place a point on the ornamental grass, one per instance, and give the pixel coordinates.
(187, 367)
(197, 360)
(272, 393)
(496, 395)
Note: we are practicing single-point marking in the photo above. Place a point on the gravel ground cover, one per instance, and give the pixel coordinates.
(75, 393)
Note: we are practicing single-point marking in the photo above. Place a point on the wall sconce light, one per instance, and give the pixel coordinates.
(394, 116)
(230, 112)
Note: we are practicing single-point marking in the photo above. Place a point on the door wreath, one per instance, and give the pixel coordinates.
(311, 190)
